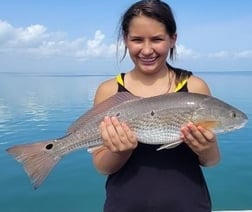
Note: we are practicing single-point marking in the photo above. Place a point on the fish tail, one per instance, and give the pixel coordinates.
(37, 159)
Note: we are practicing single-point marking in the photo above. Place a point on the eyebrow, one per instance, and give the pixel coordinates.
(154, 36)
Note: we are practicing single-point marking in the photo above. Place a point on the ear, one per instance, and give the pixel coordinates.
(173, 40)
(125, 41)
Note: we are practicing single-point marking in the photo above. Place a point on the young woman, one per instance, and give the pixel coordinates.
(139, 177)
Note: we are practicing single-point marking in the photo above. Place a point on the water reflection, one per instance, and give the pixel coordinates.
(34, 110)
(5, 116)
(42, 103)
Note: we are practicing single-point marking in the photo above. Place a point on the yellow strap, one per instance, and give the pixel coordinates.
(180, 85)
(119, 79)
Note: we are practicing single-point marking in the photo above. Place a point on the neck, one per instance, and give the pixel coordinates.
(150, 78)
(142, 84)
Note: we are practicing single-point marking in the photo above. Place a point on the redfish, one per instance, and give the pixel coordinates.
(155, 120)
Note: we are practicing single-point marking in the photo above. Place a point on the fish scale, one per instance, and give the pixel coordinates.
(161, 128)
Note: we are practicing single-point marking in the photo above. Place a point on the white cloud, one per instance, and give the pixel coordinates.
(6, 32)
(18, 38)
(184, 52)
(220, 54)
(31, 33)
(96, 47)
(38, 42)
(246, 54)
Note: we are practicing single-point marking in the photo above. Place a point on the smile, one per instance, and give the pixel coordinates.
(148, 60)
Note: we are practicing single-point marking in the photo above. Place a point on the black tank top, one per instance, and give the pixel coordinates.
(168, 180)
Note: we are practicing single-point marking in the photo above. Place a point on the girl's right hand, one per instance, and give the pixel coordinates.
(117, 137)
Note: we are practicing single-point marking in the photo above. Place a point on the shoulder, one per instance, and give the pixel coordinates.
(197, 85)
(105, 90)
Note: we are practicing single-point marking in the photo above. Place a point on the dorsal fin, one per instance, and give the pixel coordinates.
(113, 101)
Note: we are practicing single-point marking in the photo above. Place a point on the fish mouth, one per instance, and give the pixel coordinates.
(243, 124)
(230, 128)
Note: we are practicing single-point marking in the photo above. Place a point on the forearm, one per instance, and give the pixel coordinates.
(108, 162)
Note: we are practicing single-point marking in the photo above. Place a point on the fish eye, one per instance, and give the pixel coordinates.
(233, 114)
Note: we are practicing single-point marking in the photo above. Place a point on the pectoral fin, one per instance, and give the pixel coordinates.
(94, 148)
(170, 145)
(208, 124)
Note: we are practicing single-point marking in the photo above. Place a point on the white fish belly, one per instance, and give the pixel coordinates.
(162, 127)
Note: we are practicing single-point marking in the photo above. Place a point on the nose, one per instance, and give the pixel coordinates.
(147, 48)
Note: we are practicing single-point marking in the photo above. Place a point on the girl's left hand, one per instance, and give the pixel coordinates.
(199, 139)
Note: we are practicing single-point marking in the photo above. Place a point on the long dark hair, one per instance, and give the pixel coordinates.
(161, 12)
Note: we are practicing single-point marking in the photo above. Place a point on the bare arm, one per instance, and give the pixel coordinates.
(202, 141)
(119, 140)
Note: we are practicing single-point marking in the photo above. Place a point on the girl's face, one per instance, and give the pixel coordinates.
(148, 44)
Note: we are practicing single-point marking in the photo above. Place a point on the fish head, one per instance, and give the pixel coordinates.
(218, 116)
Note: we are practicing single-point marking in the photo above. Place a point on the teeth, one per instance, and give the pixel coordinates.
(148, 59)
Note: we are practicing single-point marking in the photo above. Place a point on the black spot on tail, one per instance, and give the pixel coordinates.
(49, 146)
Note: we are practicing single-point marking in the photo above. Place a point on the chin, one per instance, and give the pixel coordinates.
(149, 69)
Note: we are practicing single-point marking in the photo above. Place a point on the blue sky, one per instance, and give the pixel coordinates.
(79, 37)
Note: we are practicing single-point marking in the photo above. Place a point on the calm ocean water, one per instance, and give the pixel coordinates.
(42, 107)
